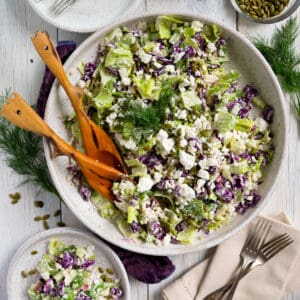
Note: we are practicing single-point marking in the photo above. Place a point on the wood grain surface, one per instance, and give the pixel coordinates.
(22, 69)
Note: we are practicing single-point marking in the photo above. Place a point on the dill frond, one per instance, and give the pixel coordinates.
(280, 52)
(24, 153)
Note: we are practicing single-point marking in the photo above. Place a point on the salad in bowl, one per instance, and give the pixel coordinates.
(194, 139)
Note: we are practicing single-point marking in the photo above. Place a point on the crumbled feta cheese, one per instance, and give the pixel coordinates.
(187, 160)
(183, 143)
(211, 161)
(203, 174)
(211, 47)
(128, 144)
(211, 78)
(178, 56)
(157, 177)
(157, 65)
(261, 124)
(181, 114)
(186, 192)
(145, 184)
(126, 81)
(111, 118)
(145, 58)
(167, 144)
(197, 26)
(123, 72)
(170, 68)
(236, 108)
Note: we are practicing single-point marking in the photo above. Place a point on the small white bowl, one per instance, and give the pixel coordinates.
(17, 286)
(247, 60)
(286, 12)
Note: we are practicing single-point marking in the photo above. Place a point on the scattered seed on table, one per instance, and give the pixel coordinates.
(45, 225)
(46, 217)
(38, 203)
(24, 274)
(61, 224)
(32, 272)
(34, 252)
(100, 270)
(57, 213)
(37, 218)
(14, 198)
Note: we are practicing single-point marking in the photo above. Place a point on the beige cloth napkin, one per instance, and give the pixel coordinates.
(277, 277)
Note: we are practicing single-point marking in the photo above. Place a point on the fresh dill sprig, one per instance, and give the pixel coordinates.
(140, 121)
(280, 52)
(24, 153)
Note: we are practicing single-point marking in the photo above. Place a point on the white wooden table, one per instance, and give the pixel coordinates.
(22, 69)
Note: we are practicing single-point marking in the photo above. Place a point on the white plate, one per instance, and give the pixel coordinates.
(246, 59)
(23, 260)
(84, 15)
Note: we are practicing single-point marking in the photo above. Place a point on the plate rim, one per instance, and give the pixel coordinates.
(159, 251)
(97, 242)
(47, 18)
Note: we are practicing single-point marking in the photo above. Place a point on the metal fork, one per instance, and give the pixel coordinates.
(268, 251)
(252, 245)
(59, 6)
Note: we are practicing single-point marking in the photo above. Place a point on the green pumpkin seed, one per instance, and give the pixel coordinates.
(110, 271)
(32, 272)
(38, 203)
(262, 8)
(46, 217)
(24, 274)
(57, 213)
(34, 252)
(61, 224)
(45, 225)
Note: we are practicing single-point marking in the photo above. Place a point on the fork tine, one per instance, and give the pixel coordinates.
(270, 244)
(252, 234)
(279, 248)
(55, 4)
(59, 6)
(259, 236)
(264, 236)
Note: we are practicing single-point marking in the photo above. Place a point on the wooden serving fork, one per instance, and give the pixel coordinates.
(97, 143)
(98, 175)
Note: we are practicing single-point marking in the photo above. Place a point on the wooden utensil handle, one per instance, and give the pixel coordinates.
(48, 53)
(19, 112)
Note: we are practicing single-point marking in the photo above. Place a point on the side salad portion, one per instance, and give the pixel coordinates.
(195, 142)
(69, 272)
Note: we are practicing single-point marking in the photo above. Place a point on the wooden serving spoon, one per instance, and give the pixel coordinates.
(19, 112)
(97, 143)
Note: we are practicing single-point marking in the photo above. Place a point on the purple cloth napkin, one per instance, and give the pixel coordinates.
(145, 268)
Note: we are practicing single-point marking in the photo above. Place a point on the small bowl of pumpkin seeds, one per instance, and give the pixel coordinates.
(265, 11)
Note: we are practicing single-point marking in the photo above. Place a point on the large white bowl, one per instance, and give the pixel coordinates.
(254, 69)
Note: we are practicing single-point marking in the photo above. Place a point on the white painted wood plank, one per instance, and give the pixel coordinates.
(18, 22)
(15, 53)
